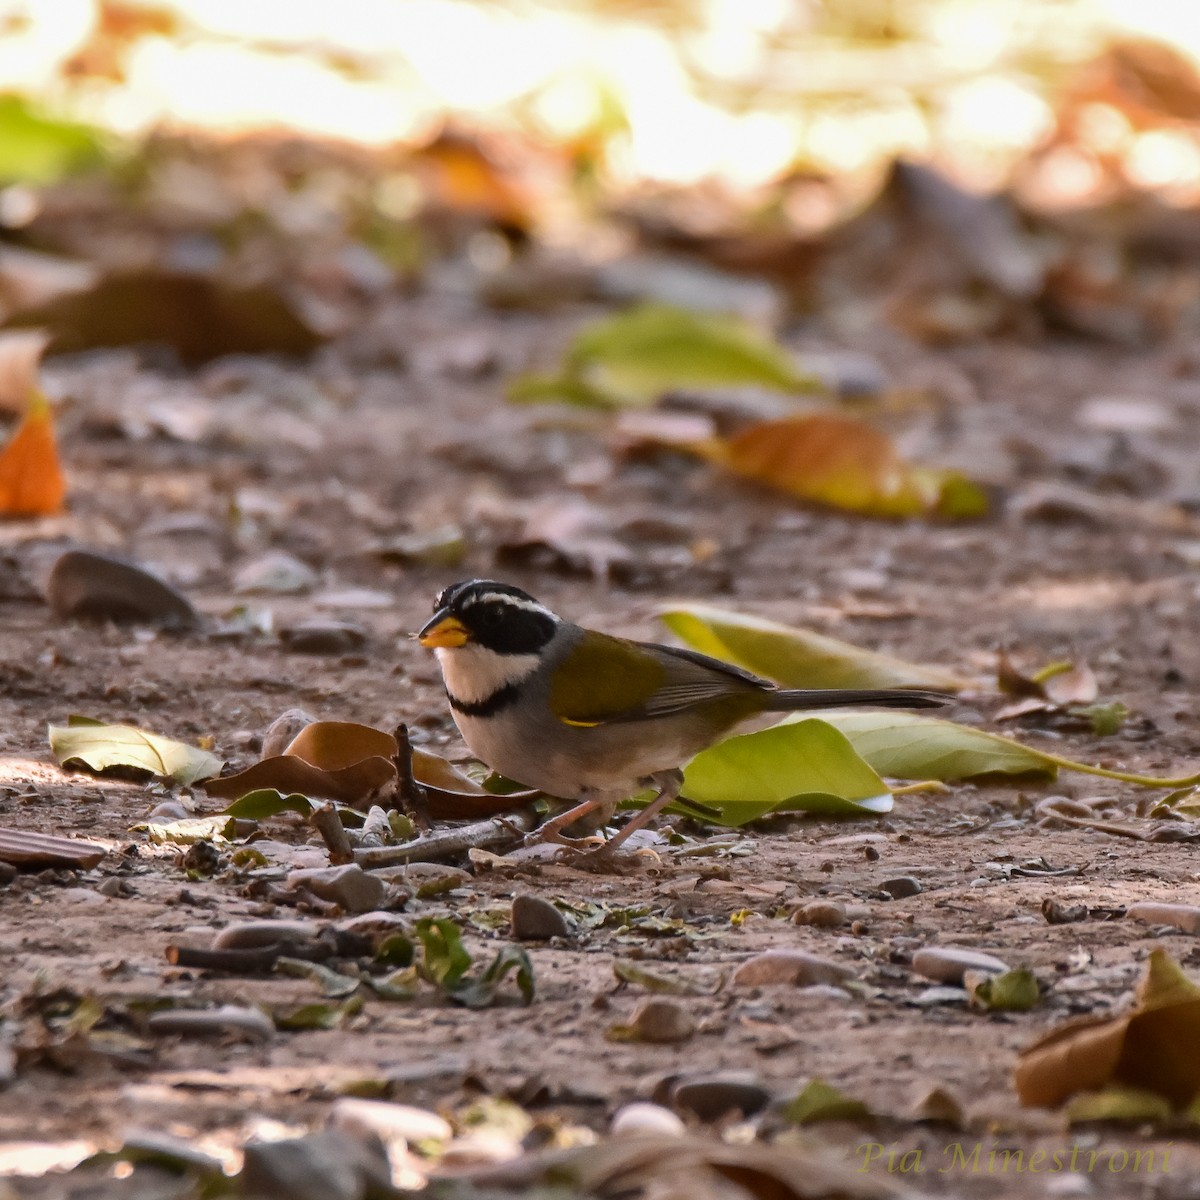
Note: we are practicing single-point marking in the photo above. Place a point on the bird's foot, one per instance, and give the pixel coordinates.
(552, 837)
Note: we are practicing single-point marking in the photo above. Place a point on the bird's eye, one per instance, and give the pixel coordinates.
(492, 617)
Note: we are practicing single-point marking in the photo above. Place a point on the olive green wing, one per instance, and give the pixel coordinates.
(604, 679)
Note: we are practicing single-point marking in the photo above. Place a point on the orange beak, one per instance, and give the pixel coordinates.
(443, 632)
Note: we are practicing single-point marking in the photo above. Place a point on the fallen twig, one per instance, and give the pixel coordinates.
(448, 843)
(328, 824)
(249, 961)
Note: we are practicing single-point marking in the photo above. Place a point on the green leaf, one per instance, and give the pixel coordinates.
(318, 1016)
(796, 657)
(267, 802)
(1012, 991)
(102, 747)
(805, 766)
(39, 149)
(332, 983)
(446, 960)
(903, 745)
(819, 1101)
(634, 357)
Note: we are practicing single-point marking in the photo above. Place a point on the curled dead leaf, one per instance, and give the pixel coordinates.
(1155, 1047)
(847, 464)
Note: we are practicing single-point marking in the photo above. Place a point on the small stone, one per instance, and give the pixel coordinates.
(795, 967)
(319, 636)
(824, 914)
(282, 731)
(389, 1122)
(948, 964)
(7, 873)
(112, 887)
(642, 1117)
(901, 887)
(1058, 913)
(87, 586)
(535, 919)
(1177, 916)
(169, 810)
(711, 1097)
(251, 1024)
(331, 1165)
(349, 886)
(275, 572)
(248, 935)
(662, 1021)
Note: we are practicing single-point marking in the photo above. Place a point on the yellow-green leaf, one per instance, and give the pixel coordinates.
(844, 463)
(103, 747)
(806, 766)
(903, 745)
(796, 657)
(634, 357)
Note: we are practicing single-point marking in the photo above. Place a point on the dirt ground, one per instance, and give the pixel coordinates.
(400, 426)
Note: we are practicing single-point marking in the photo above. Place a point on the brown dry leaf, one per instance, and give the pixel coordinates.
(354, 764)
(201, 318)
(1155, 1047)
(846, 464)
(464, 176)
(31, 477)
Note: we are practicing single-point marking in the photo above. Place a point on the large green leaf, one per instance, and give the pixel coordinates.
(796, 657)
(102, 747)
(903, 745)
(634, 357)
(804, 766)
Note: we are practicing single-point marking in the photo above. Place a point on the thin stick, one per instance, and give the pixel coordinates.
(328, 824)
(250, 960)
(409, 791)
(447, 843)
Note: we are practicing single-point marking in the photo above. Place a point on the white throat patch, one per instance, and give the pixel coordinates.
(473, 672)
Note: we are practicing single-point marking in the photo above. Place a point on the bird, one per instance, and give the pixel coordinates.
(590, 718)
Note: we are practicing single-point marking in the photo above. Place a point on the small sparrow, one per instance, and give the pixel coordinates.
(591, 718)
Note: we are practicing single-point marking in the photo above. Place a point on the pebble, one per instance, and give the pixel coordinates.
(355, 890)
(662, 1021)
(331, 1165)
(901, 887)
(948, 964)
(824, 914)
(390, 1122)
(319, 636)
(1178, 916)
(796, 967)
(277, 572)
(251, 1023)
(7, 873)
(711, 1097)
(246, 935)
(642, 1117)
(89, 586)
(169, 810)
(535, 919)
(282, 731)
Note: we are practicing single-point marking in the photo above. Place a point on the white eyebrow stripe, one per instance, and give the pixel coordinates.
(510, 600)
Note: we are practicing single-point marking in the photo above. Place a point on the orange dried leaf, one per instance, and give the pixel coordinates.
(1155, 1047)
(846, 464)
(31, 477)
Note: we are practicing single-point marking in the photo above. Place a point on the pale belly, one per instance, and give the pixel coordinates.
(574, 763)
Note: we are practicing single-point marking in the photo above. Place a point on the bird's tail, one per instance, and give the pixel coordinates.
(789, 700)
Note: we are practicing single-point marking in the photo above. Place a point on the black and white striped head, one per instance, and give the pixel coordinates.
(496, 616)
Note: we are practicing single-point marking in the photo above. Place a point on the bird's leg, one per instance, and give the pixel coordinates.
(669, 784)
(551, 831)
